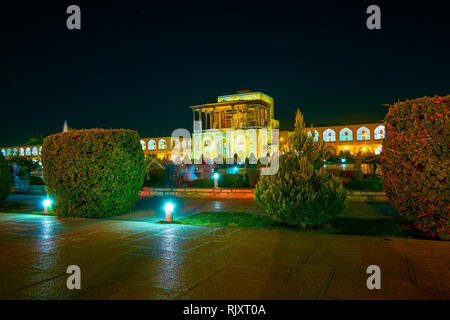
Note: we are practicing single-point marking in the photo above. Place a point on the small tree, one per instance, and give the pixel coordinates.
(36, 140)
(302, 192)
(5, 179)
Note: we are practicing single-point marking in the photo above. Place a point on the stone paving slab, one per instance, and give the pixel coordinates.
(122, 259)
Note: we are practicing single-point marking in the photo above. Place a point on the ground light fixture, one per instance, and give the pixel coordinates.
(168, 209)
(47, 204)
(236, 169)
(216, 179)
(343, 160)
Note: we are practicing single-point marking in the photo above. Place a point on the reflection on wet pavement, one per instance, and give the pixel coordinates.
(132, 259)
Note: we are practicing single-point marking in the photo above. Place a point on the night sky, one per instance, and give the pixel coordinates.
(141, 65)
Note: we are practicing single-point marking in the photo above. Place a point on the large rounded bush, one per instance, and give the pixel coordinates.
(93, 172)
(5, 179)
(415, 162)
(302, 192)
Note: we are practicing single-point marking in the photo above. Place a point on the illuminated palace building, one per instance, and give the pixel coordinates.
(236, 125)
(242, 125)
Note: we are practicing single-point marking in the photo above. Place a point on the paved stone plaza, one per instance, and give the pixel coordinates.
(122, 259)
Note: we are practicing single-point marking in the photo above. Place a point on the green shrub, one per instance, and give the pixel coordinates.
(155, 178)
(225, 181)
(365, 184)
(352, 174)
(334, 172)
(93, 172)
(5, 179)
(253, 176)
(233, 181)
(202, 183)
(36, 181)
(415, 162)
(302, 192)
(371, 176)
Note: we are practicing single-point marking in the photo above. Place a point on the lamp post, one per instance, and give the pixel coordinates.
(216, 179)
(168, 209)
(47, 204)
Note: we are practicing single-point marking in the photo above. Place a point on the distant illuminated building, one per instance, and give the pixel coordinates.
(240, 125)
(356, 139)
(236, 125)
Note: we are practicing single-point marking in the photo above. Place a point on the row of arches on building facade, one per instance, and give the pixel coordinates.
(346, 134)
(27, 151)
(354, 150)
(35, 151)
(162, 144)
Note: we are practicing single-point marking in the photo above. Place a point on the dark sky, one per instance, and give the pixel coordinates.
(141, 65)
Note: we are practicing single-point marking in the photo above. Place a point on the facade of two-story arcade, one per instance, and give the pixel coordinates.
(244, 124)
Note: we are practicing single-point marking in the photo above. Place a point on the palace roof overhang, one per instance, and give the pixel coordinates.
(230, 103)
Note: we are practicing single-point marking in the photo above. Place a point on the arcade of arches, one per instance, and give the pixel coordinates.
(243, 124)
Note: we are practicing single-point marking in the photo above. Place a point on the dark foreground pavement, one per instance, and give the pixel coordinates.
(122, 259)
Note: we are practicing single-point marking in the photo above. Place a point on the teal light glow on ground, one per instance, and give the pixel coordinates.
(144, 260)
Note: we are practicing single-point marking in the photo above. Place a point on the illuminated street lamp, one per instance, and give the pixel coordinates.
(47, 204)
(168, 209)
(216, 179)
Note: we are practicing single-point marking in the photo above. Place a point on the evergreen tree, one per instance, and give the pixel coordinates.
(302, 192)
(5, 178)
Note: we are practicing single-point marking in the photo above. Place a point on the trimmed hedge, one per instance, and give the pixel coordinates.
(233, 181)
(155, 178)
(35, 181)
(415, 162)
(225, 181)
(5, 179)
(352, 174)
(93, 172)
(202, 183)
(253, 177)
(365, 184)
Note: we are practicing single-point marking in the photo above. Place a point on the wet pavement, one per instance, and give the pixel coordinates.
(125, 259)
(150, 209)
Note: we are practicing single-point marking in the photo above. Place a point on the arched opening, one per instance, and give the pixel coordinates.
(314, 134)
(152, 145)
(162, 144)
(240, 147)
(330, 150)
(207, 148)
(329, 135)
(363, 133)
(379, 132)
(345, 135)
